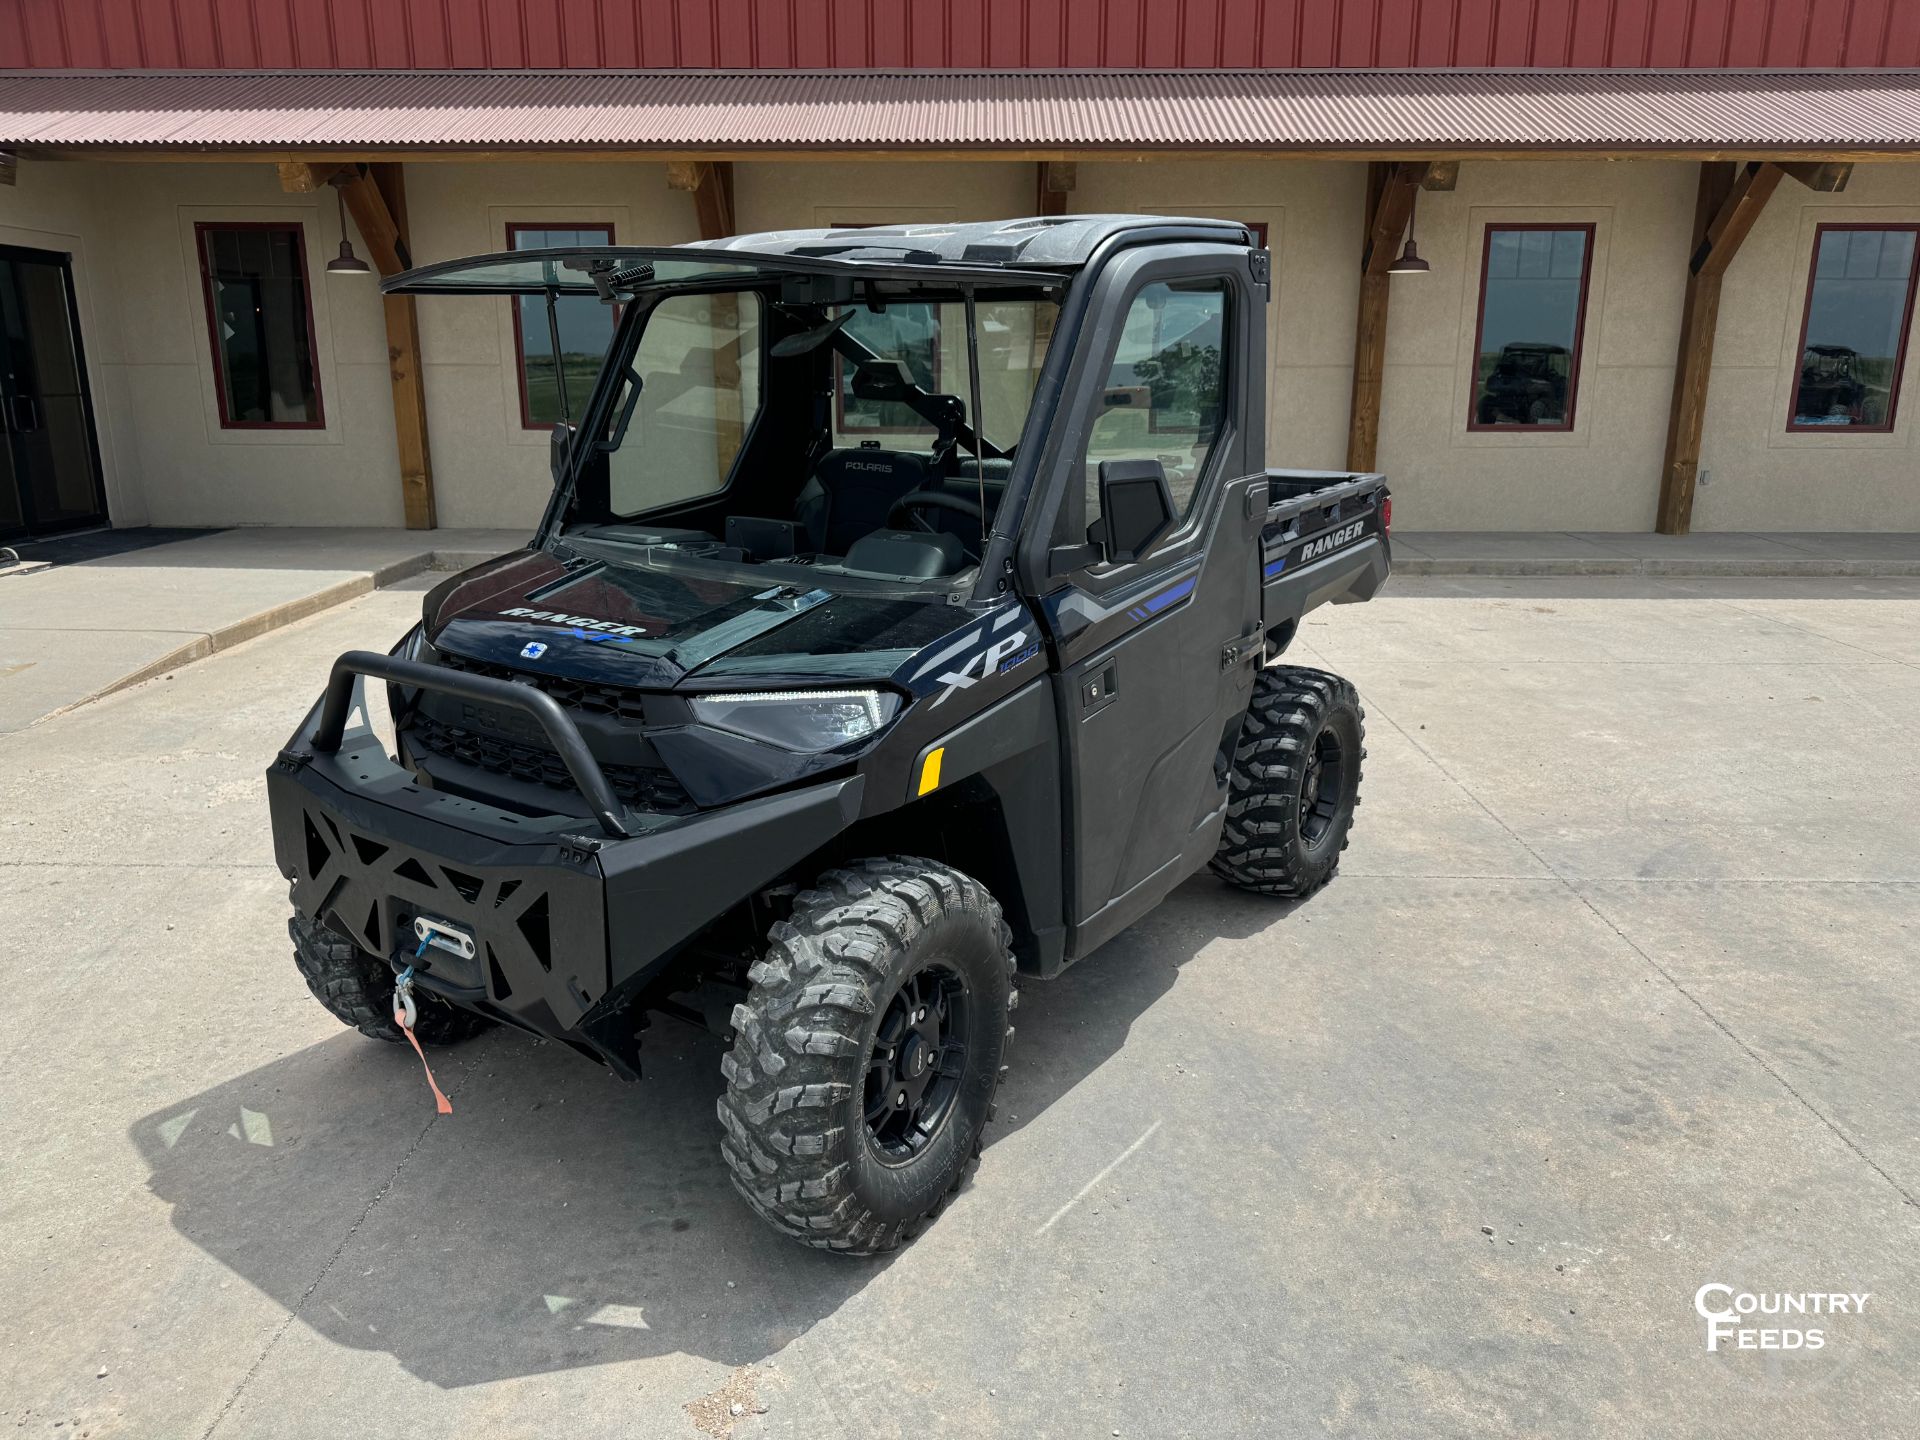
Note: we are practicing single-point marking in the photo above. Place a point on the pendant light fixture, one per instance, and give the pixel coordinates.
(1410, 262)
(346, 262)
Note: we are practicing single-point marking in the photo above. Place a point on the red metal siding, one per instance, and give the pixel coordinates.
(954, 34)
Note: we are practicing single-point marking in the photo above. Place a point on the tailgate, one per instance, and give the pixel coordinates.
(1325, 540)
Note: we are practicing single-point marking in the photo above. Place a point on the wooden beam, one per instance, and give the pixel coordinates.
(299, 177)
(1829, 177)
(1391, 186)
(1390, 207)
(1054, 180)
(367, 204)
(1728, 228)
(376, 198)
(710, 182)
(1725, 208)
(1441, 175)
(9, 168)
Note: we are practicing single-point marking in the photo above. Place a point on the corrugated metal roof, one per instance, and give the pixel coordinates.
(1024, 111)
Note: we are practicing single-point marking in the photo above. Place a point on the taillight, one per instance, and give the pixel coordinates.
(1386, 513)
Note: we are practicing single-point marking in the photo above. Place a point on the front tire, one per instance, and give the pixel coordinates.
(1295, 782)
(357, 989)
(867, 1054)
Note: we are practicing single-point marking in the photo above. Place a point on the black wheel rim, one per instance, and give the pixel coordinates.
(918, 1062)
(1323, 788)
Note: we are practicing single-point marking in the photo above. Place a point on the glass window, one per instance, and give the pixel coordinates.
(1533, 300)
(1165, 396)
(699, 366)
(586, 325)
(908, 333)
(930, 340)
(1859, 308)
(258, 311)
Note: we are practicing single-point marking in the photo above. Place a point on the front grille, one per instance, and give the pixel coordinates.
(641, 787)
(587, 695)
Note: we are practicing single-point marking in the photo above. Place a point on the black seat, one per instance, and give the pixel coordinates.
(851, 493)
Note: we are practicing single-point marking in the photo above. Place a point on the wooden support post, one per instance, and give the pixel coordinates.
(375, 196)
(403, 363)
(710, 182)
(1442, 175)
(1390, 190)
(1054, 180)
(1725, 209)
(9, 168)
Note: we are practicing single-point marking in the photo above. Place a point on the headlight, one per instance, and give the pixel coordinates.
(806, 720)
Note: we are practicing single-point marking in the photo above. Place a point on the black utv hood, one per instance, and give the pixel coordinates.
(650, 628)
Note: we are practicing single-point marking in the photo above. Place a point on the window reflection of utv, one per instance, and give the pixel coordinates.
(1829, 390)
(1528, 385)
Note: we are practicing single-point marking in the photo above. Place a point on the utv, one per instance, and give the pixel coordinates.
(1830, 391)
(900, 623)
(1528, 386)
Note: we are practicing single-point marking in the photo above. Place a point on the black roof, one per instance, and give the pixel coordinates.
(996, 252)
(1043, 242)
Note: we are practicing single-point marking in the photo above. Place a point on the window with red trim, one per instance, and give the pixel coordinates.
(1853, 337)
(253, 274)
(585, 325)
(1533, 303)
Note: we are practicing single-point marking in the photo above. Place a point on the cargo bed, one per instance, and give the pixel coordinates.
(1325, 541)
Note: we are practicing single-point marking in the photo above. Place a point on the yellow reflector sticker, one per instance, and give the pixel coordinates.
(930, 771)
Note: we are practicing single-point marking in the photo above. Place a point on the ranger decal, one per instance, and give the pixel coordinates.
(576, 622)
(1333, 541)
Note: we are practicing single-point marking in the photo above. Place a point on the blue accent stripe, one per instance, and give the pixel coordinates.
(1275, 568)
(1170, 596)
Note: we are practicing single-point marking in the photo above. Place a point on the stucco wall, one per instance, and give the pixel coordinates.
(167, 461)
(1754, 474)
(54, 207)
(1603, 473)
(144, 322)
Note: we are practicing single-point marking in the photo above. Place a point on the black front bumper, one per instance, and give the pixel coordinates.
(572, 927)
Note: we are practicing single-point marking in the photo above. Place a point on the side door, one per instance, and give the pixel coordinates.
(1154, 669)
(49, 462)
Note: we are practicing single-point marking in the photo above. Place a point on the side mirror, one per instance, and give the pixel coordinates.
(559, 444)
(1136, 508)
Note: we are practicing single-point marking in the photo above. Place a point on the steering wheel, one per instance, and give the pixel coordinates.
(908, 508)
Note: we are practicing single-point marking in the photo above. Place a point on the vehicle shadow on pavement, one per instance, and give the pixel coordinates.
(559, 1218)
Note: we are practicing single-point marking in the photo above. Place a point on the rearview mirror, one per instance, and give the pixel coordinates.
(1136, 508)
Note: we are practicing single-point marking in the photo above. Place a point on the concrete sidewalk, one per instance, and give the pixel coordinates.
(75, 632)
(1564, 552)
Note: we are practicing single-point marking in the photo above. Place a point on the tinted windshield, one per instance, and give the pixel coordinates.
(749, 427)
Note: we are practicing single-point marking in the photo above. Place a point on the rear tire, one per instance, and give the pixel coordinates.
(357, 989)
(1295, 782)
(867, 1054)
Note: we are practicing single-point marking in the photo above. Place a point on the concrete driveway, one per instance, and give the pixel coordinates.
(1614, 998)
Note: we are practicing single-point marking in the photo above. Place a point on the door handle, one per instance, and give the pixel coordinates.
(14, 422)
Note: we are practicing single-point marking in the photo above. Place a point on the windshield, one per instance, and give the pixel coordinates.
(746, 427)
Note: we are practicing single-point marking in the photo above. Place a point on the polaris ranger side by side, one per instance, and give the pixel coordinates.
(901, 623)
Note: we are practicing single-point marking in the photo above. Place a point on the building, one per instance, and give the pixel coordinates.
(1670, 243)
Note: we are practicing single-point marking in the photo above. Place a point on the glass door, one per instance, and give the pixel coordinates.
(49, 463)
